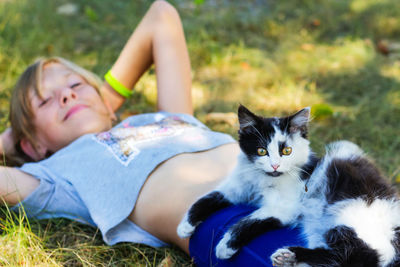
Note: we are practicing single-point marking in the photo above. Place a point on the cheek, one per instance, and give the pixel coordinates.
(98, 105)
(44, 121)
(49, 137)
(90, 94)
(300, 153)
(48, 130)
(263, 163)
(287, 162)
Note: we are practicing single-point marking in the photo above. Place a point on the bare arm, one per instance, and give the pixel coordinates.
(158, 39)
(6, 142)
(15, 185)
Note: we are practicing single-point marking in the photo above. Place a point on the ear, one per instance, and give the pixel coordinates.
(299, 121)
(246, 118)
(110, 110)
(35, 154)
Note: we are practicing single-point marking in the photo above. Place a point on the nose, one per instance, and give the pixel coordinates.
(275, 166)
(66, 95)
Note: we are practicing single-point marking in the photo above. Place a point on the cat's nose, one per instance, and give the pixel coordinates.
(275, 166)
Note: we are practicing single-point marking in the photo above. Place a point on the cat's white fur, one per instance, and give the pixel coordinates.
(372, 223)
(279, 195)
(284, 197)
(277, 192)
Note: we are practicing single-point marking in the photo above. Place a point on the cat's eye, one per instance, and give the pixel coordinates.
(261, 151)
(287, 151)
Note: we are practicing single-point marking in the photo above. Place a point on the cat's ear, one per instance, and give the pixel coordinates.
(299, 121)
(246, 118)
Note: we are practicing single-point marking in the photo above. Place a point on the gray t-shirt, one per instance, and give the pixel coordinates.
(97, 178)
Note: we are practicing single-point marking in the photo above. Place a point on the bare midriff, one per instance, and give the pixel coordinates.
(175, 185)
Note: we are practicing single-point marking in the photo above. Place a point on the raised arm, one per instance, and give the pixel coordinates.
(158, 39)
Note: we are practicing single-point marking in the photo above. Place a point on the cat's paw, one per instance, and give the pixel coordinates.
(185, 229)
(222, 250)
(283, 258)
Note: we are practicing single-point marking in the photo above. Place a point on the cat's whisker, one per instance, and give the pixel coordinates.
(294, 174)
(301, 170)
(287, 126)
(260, 135)
(296, 170)
(247, 169)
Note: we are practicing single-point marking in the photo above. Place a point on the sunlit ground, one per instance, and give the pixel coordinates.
(340, 57)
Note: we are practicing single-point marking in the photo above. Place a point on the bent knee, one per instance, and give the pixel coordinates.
(163, 11)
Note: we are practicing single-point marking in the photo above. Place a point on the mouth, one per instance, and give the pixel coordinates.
(73, 110)
(274, 173)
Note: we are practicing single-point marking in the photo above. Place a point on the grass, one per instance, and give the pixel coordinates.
(273, 56)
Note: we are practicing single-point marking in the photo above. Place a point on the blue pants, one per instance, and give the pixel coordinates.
(256, 253)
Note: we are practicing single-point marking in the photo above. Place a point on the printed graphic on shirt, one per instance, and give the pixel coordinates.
(122, 142)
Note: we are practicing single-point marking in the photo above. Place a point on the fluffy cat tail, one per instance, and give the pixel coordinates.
(343, 150)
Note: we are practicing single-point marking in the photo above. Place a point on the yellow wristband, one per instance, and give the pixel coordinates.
(117, 86)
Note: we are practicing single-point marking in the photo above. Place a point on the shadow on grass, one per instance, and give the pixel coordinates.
(370, 117)
(265, 24)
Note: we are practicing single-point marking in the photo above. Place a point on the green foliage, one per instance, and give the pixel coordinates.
(321, 111)
(19, 245)
(276, 57)
(91, 14)
(198, 2)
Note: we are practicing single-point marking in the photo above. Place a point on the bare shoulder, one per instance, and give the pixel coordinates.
(16, 185)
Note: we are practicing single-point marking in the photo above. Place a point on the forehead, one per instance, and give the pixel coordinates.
(272, 126)
(274, 129)
(53, 72)
(279, 133)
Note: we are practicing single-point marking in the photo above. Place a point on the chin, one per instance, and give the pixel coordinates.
(95, 127)
(274, 174)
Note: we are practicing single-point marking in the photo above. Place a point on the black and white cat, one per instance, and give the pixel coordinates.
(271, 173)
(349, 213)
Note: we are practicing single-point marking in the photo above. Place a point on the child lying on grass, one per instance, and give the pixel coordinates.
(134, 181)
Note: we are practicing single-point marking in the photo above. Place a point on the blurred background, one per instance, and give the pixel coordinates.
(340, 57)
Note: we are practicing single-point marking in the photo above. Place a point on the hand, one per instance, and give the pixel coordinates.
(7, 142)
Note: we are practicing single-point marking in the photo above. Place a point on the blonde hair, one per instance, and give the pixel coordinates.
(21, 112)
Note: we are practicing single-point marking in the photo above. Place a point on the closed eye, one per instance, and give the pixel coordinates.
(75, 85)
(44, 102)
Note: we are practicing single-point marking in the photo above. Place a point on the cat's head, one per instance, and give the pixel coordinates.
(275, 145)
